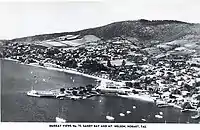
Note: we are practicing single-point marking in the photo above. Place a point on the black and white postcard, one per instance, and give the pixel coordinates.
(118, 62)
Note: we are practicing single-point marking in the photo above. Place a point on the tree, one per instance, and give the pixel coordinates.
(62, 90)
(93, 66)
(109, 63)
(188, 87)
(176, 91)
(137, 85)
(1, 55)
(135, 92)
(171, 96)
(198, 104)
(74, 92)
(81, 87)
(123, 63)
(129, 84)
(89, 87)
(187, 105)
(72, 63)
(81, 92)
(51, 51)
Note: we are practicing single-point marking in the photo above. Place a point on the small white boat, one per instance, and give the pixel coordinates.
(134, 107)
(161, 113)
(196, 116)
(144, 120)
(44, 80)
(128, 112)
(60, 95)
(121, 114)
(110, 118)
(60, 120)
(62, 98)
(33, 93)
(161, 103)
(74, 97)
(84, 97)
(158, 116)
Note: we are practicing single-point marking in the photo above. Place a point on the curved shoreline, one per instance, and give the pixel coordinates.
(138, 97)
(68, 70)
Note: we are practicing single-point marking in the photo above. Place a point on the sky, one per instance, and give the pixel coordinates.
(20, 19)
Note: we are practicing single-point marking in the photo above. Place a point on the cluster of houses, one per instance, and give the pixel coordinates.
(166, 75)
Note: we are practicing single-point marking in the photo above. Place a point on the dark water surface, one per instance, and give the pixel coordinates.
(16, 80)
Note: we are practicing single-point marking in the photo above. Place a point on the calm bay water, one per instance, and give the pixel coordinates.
(16, 80)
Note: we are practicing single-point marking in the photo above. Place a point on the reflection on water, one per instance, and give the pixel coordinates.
(16, 106)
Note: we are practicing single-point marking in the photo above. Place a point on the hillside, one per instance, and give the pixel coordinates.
(143, 30)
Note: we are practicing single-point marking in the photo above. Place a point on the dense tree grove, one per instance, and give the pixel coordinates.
(93, 66)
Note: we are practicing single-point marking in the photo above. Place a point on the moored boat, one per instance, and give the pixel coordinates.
(110, 118)
(61, 95)
(35, 93)
(196, 116)
(74, 97)
(60, 120)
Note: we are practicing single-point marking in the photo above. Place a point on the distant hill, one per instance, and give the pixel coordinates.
(142, 30)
